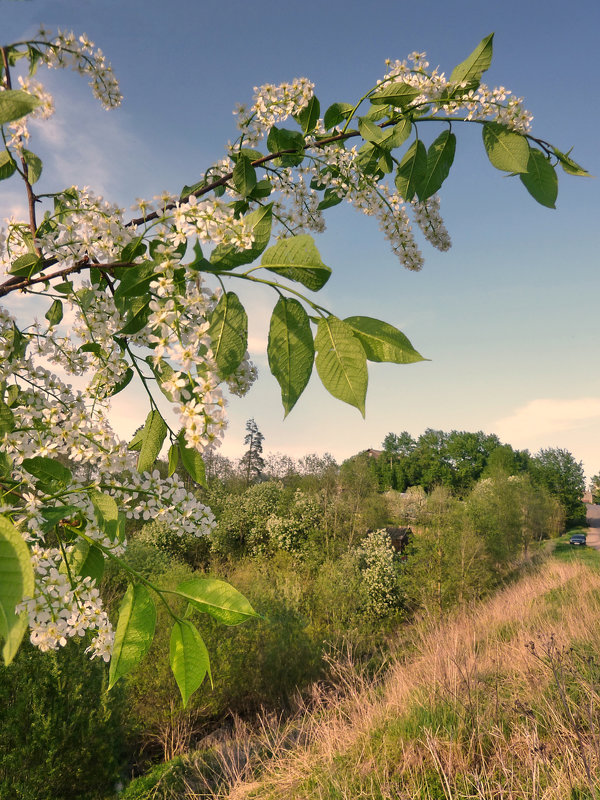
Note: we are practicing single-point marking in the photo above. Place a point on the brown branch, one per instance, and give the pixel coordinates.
(15, 283)
(31, 197)
(223, 180)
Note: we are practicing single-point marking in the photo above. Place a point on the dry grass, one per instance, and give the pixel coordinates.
(498, 702)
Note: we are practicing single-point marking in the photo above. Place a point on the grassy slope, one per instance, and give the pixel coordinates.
(499, 702)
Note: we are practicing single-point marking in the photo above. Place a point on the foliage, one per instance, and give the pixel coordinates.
(62, 735)
(560, 474)
(456, 459)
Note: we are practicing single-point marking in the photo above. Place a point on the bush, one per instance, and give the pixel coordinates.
(61, 734)
(179, 546)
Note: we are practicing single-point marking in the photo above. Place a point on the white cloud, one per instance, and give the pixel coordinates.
(572, 424)
(547, 415)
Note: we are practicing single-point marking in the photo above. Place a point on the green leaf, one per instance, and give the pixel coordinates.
(297, 259)
(244, 176)
(154, 433)
(135, 631)
(163, 372)
(229, 333)
(15, 103)
(135, 282)
(290, 350)
(7, 165)
(125, 381)
(262, 189)
(330, 198)
(90, 347)
(34, 166)
(412, 170)
(440, 156)
(336, 113)
(106, 513)
(383, 342)
(282, 139)
(472, 68)
(173, 458)
(540, 180)
(368, 158)
(250, 153)
(308, 117)
(192, 461)
(54, 314)
(16, 582)
(399, 95)
(5, 465)
(7, 419)
(217, 598)
(189, 658)
(341, 362)
(137, 318)
(370, 131)
(133, 249)
(86, 561)
(506, 149)
(12, 395)
(48, 471)
(396, 135)
(569, 166)
(136, 442)
(26, 265)
(259, 222)
(54, 514)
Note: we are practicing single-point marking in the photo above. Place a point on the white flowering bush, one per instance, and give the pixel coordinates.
(133, 297)
(290, 531)
(379, 571)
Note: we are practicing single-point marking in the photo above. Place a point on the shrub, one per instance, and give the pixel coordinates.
(61, 734)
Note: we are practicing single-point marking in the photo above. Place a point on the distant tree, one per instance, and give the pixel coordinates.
(557, 471)
(279, 466)
(218, 467)
(504, 459)
(467, 454)
(595, 488)
(252, 463)
(428, 465)
(398, 445)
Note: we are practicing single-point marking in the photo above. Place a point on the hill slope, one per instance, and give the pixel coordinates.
(501, 701)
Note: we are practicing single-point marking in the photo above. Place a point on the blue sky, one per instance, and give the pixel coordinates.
(509, 317)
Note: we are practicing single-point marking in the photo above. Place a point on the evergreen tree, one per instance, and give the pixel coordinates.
(252, 462)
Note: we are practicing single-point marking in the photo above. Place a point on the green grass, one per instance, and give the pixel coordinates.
(566, 552)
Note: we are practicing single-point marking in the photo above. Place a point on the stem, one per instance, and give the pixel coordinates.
(31, 197)
(278, 286)
(108, 552)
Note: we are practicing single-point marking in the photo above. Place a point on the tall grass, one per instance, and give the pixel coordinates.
(499, 702)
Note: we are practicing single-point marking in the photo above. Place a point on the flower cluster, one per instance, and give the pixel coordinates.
(65, 50)
(272, 105)
(211, 221)
(427, 216)
(483, 103)
(63, 607)
(165, 500)
(85, 227)
(379, 572)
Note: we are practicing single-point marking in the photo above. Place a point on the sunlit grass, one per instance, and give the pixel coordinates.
(569, 553)
(500, 701)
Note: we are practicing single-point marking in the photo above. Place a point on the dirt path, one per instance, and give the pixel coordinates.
(593, 520)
